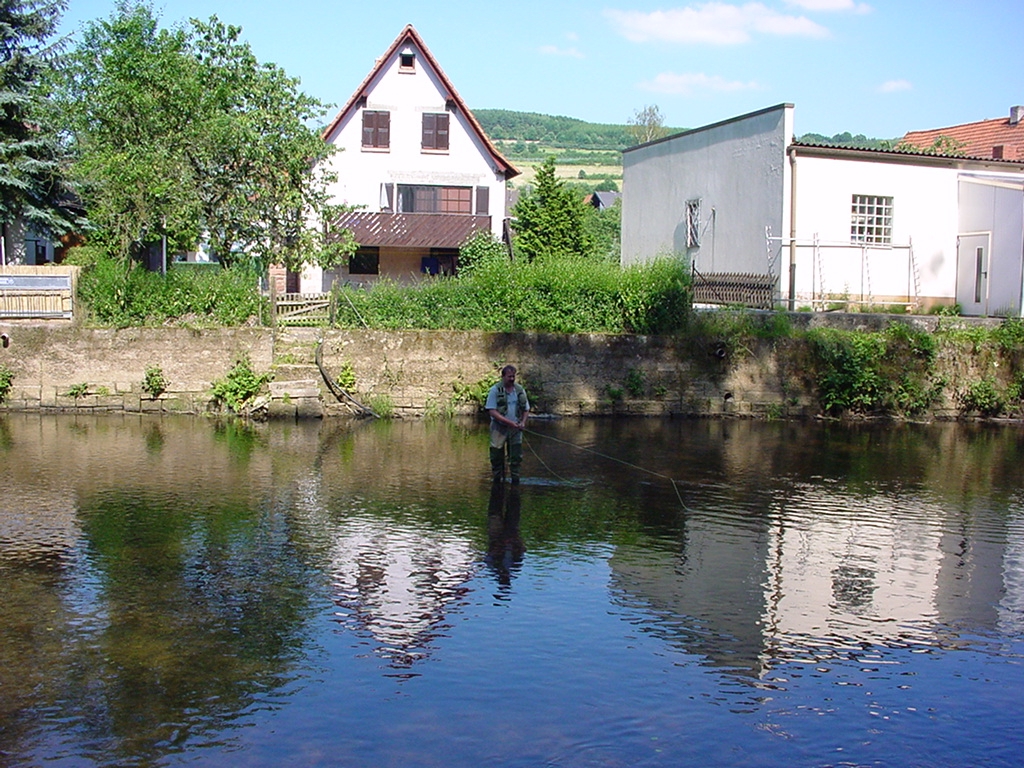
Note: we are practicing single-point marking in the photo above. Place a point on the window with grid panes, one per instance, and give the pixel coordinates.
(871, 220)
(430, 199)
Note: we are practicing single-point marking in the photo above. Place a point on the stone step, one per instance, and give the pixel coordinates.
(295, 389)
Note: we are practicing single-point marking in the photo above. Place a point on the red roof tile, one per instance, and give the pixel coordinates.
(981, 139)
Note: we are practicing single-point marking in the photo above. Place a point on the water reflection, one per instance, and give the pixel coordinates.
(169, 581)
(505, 548)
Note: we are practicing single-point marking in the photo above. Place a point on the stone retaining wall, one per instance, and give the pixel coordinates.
(412, 372)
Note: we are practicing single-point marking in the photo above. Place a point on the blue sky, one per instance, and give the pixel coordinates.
(877, 68)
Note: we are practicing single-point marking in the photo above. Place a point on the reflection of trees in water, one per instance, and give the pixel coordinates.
(240, 437)
(202, 612)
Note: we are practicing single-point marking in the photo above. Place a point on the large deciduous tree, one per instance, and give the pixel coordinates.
(549, 219)
(182, 132)
(32, 187)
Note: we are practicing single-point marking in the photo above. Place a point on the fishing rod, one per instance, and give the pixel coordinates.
(675, 487)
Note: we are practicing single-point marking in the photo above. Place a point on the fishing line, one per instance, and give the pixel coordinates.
(610, 458)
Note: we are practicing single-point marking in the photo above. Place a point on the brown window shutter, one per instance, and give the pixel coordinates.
(369, 127)
(483, 199)
(441, 138)
(435, 131)
(429, 130)
(376, 129)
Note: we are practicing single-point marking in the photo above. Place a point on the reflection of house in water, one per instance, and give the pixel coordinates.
(823, 572)
(396, 581)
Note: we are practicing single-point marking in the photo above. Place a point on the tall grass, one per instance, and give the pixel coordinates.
(119, 296)
(561, 296)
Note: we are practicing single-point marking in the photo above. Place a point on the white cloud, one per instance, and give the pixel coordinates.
(831, 5)
(892, 86)
(554, 50)
(715, 23)
(687, 83)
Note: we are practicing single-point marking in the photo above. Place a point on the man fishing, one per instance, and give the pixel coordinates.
(509, 408)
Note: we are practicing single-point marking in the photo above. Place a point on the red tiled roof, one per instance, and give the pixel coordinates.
(411, 230)
(979, 139)
(410, 34)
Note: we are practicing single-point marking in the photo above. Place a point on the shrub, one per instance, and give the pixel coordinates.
(888, 372)
(570, 295)
(382, 405)
(6, 382)
(981, 396)
(120, 293)
(153, 383)
(239, 386)
(346, 378)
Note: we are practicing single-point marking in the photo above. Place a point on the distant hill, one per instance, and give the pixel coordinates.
(507, 126)
(558, 132)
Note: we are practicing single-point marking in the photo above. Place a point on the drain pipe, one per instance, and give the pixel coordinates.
(792, 229)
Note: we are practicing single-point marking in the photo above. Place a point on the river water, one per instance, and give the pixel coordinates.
(654, 593)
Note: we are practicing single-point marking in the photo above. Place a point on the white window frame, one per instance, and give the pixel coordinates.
(871, 219)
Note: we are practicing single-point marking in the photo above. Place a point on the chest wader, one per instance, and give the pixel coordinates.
(502, 436)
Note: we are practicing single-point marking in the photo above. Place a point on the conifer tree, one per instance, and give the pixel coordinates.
(549, 220)
(32, 187)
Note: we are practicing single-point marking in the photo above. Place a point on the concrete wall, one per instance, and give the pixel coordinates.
(924, 214)
(49, 359)
(737, 169)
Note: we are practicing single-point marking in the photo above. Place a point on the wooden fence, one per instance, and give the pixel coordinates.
(303, 309)
(37, 292)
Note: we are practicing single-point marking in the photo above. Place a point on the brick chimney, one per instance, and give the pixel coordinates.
(1016, 115)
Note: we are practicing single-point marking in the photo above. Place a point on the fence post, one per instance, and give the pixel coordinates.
(273, 301)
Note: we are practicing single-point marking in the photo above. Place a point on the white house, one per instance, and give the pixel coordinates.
(417, 165)
(830, 224)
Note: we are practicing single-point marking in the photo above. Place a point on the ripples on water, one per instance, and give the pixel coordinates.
(184, 591)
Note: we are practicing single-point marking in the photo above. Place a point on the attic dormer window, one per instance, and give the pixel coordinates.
(407, 62)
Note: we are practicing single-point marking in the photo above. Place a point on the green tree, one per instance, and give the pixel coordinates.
(32, 186)
(549, 219)
(604, 228)
(647, 124)
(183, 132)
(128, 92)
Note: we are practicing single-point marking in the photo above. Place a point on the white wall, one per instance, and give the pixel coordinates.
(361, 171)
(924, 213)
(407, 97)
(994, 204)
(738, 168)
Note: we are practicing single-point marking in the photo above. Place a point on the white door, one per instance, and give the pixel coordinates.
(972, 258)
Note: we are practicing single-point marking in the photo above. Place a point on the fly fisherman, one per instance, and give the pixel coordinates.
(509, 408)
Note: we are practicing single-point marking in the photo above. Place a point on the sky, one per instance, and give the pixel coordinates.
(874, 68)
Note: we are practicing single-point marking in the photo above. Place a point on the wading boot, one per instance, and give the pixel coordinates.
(515, 459)
(497, 464)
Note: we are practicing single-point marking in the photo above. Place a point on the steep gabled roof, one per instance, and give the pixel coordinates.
(979, 139)
(409, 34)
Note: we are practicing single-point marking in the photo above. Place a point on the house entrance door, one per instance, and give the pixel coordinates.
(972, 272)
